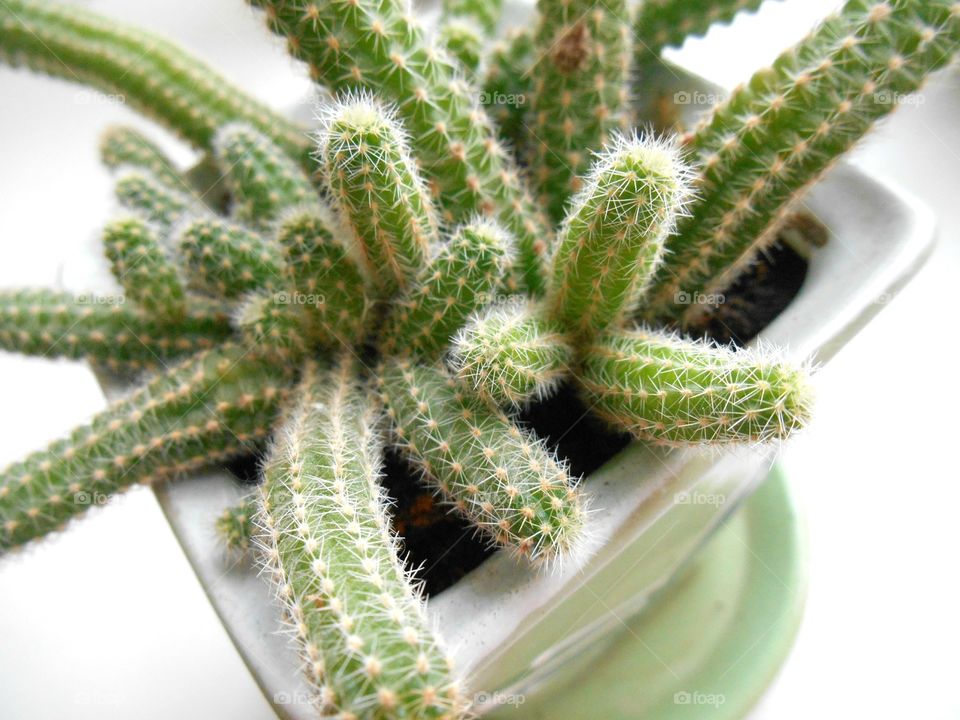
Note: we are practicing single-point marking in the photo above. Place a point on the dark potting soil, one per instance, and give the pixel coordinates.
(441, 547)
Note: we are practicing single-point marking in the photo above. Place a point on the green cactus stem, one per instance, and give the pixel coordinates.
(668, 390)
(579, 92)
(143, 269)
(379, 46)
(510, 355)
(614, 234)
(142, 70)
(775, 136)
(464, 27)
(460, 279)
(508, 87)
(278, 329)
(234, 526)
(366, 643)
(262, 179)
(367, 164)
(125, 147)
(104, 329)
(321, 276)
(227, 259)
(661, 23)
(213, 406)
(140, 192)
(500, 477)
(463, 39)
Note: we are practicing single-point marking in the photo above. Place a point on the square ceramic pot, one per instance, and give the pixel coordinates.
(511, 628)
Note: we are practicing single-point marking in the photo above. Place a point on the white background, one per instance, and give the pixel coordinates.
(107, 621)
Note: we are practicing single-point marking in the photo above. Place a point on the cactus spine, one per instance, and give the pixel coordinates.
(510, 355)
(346, 45)
(368, 649)
(776, 135)
(227, 259)
(458, 280)
(500, 477)
(142, 267)
(211, 407)
(678, 392)
(104, 329)
(579, 91)
(368, 166)
(148, 73)
(614, 233)
(263, 181)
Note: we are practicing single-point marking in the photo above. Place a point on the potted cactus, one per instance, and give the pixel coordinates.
(418, 273)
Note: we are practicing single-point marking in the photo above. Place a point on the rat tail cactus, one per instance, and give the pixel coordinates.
(207, 409)
(773, 137)
(367, 646)
(392, 276)
(677, 392)
(512, 487)
(579, 91)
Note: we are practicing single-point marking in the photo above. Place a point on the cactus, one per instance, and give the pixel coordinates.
(281, 330)
(263, 181)
(614, 233)
(151, 75)
(367, 647)
(775, 136)
(458, 281)
(211, 407)
(465, 25)
(227, 259)
(507, 86)
(235, 525)
(579, 91)
(677, 392)
(122, 147)
(370, 172)
(322, 276)
(659, 23)
(142, 267)
(102, 328)
(140, 192)
(390, 251)
(497, 475)
(453, 139)
(510, 355)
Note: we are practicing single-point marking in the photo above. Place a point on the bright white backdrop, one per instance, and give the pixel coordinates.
(107, 620)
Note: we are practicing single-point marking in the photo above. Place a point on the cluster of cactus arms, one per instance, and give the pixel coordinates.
(391, 277)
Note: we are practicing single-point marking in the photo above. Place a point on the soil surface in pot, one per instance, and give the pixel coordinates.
(441, 547)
